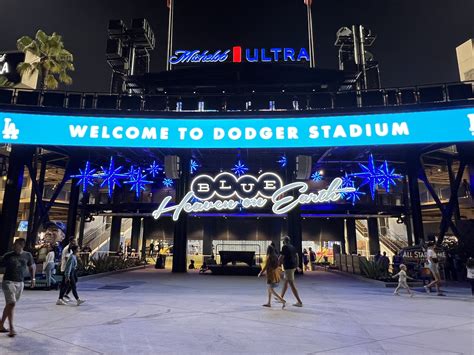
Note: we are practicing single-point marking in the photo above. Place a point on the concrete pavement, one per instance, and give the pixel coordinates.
(149, 311)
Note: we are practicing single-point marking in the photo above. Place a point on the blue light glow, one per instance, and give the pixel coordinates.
(283, 161)
(193, 166)
(240, 168)
(353, 196)
(111, 176)
(387, 176)
(317, 176)
(167, 182)
(374, 176)
(137, 182)
(86, 177)
(154, 169)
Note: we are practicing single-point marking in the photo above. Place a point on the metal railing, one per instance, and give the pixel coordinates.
(252, 101)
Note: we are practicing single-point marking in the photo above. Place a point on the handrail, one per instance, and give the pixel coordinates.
(286, 101)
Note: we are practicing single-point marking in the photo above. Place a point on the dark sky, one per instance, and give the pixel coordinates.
(415, 45)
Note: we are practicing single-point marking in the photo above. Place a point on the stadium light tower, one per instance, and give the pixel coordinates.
(128, 50)
(353, 56)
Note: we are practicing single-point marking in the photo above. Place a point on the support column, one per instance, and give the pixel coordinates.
(30, 238)
(72, 209)
(19, 156)
(374, 241)
(295, 231)
(82, 223)
(351, 236)
(136, 229)
(454, 193)
(209, 229)
(415, 204)
(115, 229)
(181, 225)
(471, 181)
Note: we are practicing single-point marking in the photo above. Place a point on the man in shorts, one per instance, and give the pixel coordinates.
(15, 263)
(289, 259)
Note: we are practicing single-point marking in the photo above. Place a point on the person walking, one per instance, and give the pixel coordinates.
(272, 268)
(470, 273)
(305, 259)
(15, 263)
(70, 276)
(433, 265)
(290, 261)
(152, 249)
(312, 258)
(48, 267)
(65, 289)
(402, 280)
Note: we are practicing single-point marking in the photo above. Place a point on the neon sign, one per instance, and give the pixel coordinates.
(4, 68)
(239, 55)
(226, 192)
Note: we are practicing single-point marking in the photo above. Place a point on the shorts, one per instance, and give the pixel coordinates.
(290, 275)
(433, 268)
(273, 285)
(12, 291)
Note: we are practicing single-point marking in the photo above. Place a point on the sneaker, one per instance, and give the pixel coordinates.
(298, 304)
(61, 302)
(79, 302)
(67, 299)
(396, 294)
(412, 294)
(427, 289)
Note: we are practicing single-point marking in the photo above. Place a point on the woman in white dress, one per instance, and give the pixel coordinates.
(433, 265)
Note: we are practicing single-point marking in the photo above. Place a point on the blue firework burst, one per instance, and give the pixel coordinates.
(282, 161)
(154, 169)
(86, 177)
(193, 166)
(167, 182)
(353, 196)
(111, 176)
(387, 176)
(317, 176)
(137, 182)
(240, 168)
(370, 174)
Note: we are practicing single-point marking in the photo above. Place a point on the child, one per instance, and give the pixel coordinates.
(273, 276)
(402, 280)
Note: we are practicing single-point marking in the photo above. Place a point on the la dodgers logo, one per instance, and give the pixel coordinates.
(9, 129)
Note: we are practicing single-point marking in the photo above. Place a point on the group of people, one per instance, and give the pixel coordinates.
(18, 261)
(309, 259)
(289, 259)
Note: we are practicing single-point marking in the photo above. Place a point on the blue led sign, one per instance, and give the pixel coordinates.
(441, 126)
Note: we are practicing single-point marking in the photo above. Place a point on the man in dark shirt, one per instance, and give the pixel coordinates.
(289, 259)
(15, 263)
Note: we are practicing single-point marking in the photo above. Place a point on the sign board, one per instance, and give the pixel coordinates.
(438, 126)
(227, 192)
(238, 55)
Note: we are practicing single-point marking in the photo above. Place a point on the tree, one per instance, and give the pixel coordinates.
(4, 82)
(52, 63)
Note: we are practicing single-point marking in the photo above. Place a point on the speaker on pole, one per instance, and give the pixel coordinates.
(172, 167)
(303, 167)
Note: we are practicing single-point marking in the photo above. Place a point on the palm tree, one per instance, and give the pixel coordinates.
(4, 83)
(52, 61)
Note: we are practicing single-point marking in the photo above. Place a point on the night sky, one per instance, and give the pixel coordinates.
(415, 45)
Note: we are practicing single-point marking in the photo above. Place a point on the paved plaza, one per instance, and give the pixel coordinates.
(147, 311)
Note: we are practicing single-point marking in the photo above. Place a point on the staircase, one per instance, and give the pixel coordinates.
(99, 237)
(390, 240)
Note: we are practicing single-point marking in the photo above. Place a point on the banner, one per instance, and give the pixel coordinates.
(440, 126)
